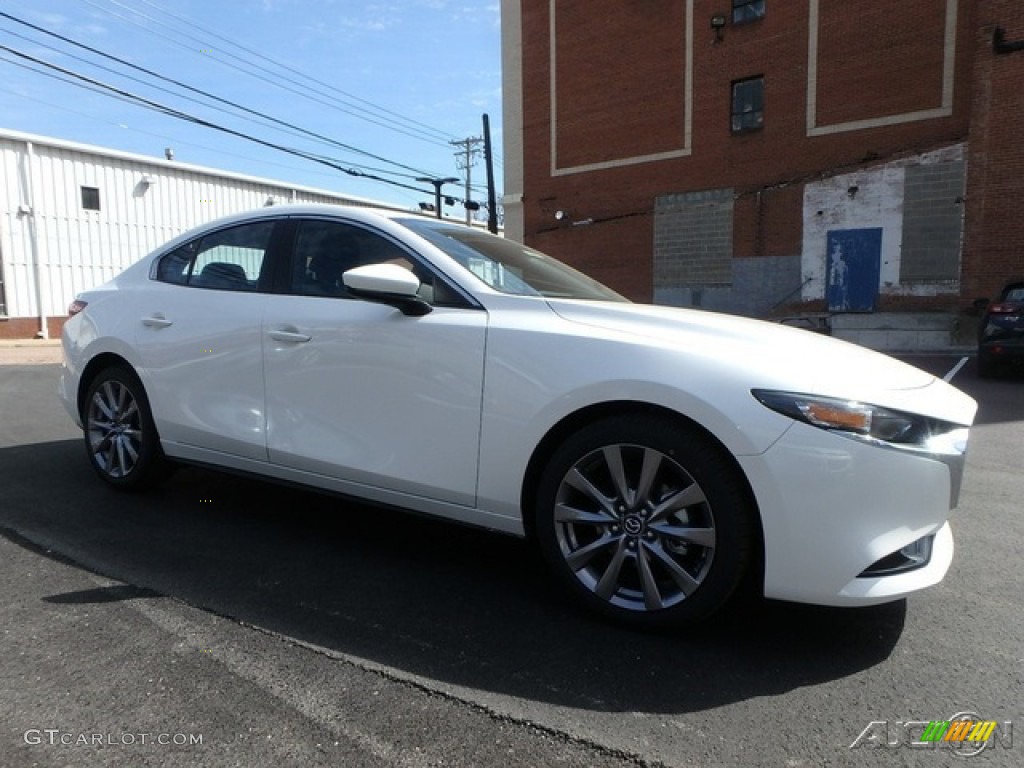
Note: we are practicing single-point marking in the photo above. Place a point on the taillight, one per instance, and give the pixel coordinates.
(1006, 308)
(76, 306)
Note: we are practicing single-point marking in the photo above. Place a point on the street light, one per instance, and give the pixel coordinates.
(438, 183)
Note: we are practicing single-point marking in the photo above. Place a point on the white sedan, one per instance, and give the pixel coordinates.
(659, 457)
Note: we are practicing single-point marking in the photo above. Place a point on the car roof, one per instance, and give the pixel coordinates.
(364, 214)
(357, 212)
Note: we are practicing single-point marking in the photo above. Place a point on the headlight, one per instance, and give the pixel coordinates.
(856, 419)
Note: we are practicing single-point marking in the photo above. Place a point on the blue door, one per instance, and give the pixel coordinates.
(853, 268)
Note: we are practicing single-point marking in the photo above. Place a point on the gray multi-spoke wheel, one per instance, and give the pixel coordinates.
(120, 436)
(646, 520)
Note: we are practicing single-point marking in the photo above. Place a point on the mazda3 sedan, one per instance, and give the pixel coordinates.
(657, 456)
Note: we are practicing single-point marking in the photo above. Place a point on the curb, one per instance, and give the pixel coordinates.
(38, 343)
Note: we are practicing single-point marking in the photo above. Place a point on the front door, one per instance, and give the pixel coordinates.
(362, 393)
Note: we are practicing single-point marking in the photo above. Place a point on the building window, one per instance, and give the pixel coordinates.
(747, 104)
(747, 10)
(91, 198)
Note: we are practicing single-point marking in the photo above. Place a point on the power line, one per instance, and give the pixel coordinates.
(235, 105)
(441, 135)
(128, 98)
(163, 137)
(171, 112)
(437, 137)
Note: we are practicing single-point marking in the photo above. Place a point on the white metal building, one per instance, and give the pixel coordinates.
(72, 216)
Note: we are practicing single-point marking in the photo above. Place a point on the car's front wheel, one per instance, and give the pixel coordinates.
(645, 520)
(120, 436)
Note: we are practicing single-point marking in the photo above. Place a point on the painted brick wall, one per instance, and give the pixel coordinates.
(693, 239)
(756, 288)
(993, 251)
(575, 115)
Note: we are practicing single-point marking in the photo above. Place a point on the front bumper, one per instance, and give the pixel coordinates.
(832, 507)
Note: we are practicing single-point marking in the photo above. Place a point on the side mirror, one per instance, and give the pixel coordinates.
(387, 284)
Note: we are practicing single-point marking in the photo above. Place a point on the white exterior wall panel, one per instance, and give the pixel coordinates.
(77, 249)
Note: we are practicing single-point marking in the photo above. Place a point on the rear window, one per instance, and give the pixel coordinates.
(231, 259)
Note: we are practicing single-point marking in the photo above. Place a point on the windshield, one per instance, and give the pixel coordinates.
(508, 266)
(1014, 293)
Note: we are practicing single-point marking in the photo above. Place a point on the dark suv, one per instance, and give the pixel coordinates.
(1001, 333)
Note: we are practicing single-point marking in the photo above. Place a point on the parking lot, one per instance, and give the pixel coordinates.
(226, 621)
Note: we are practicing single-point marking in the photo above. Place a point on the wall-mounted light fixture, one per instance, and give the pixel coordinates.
(718, 22)
(1001, 45)
(852, 191)
(563, 216)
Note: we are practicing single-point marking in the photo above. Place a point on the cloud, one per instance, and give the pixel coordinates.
(52, 19)
(376, 24)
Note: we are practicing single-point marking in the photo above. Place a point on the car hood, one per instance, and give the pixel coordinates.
(772, 356)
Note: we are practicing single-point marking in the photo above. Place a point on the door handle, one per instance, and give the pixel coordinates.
(157, 321)
(293, 336)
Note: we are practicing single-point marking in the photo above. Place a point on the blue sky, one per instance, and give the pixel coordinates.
(396, 79)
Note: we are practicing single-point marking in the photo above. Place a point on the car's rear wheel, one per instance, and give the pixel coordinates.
(645, 521)
(120, 436)
(986, 365)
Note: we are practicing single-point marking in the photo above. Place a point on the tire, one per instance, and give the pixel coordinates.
(645, 521)
(120, 437)
(986, 366)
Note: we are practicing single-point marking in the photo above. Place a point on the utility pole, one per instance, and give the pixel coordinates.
(492, 201)
(438, 183)
(465, 159)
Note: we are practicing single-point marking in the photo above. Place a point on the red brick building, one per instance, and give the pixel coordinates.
(762, 156)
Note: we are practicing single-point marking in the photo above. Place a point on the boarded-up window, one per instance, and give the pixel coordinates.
(932, 222)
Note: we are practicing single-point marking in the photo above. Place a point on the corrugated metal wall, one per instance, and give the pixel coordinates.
(77, 249)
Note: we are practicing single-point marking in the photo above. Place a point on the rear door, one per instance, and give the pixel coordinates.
(200, 342)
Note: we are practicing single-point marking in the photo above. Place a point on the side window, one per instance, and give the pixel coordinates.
(747, 105)
(325, 250)
(228, 260)
(747, 10)
(175, 266)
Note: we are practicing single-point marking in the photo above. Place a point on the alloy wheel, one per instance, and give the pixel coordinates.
(634, 527)
(114, 429)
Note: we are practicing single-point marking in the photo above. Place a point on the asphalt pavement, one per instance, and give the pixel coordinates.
(224, 621)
